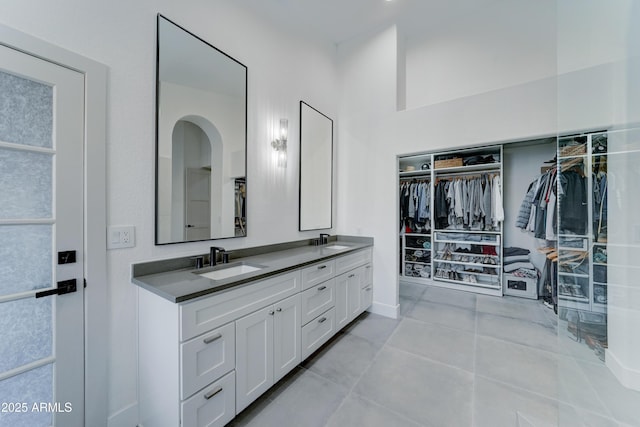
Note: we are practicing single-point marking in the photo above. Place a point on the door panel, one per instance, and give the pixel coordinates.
(286, 327)
(254, 356)
(41, 213)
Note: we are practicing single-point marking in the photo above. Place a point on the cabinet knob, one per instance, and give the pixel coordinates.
(322, 320)
(322, 288)
(278, 309)
(352, 275)
(271, 313)
(320, 267)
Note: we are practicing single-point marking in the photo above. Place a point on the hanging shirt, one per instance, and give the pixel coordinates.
(497, 208)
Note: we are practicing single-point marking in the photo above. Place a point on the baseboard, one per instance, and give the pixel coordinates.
(630, 378)
(392, 311)
(125, 417)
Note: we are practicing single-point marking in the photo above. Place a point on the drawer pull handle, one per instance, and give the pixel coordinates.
(368, 267)
(271, 313)
(352, 275)
(368, 289)
(278, 309)
(212, 393)
(322, 288)
(211, 339)
(322, 320)
(320, 267)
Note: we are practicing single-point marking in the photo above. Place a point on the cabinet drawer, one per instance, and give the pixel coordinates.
(212, 312)
(351, 261)
(317, 300)
(317, 332)
(214, 406)
(206, 358)
(318, 273)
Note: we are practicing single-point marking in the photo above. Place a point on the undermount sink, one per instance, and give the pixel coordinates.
(336, 247)
(231, 270)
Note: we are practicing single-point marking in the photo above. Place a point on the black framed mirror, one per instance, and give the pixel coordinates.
(201, 139)
(316, 169)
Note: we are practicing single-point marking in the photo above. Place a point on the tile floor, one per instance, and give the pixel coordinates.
(452, 359)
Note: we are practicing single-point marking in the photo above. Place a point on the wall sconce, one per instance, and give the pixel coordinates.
(280, 144)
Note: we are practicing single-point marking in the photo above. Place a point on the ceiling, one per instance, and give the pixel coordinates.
(337, 21)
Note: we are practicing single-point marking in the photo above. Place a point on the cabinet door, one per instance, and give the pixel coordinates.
(342, 313)
(254, 356)
(366, 297)
(212, 407)
(354, 292)
(286, 336)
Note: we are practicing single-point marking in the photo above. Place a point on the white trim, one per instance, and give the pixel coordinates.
(95, 308)
(127, 416)
(392, 311)
(630, 378)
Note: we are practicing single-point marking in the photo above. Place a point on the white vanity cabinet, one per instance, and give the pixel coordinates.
(267, 348)
(203, 361)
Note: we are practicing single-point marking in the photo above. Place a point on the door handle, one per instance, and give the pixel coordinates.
(64, 287)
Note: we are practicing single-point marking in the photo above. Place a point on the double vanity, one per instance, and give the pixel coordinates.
(212, 340)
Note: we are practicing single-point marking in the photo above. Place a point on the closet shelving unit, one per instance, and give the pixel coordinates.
(466, 257)
(415, 240)
(578, 286)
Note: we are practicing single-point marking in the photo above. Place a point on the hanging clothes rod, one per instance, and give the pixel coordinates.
(475, 174)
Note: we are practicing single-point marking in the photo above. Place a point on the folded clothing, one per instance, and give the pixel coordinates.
(525, 272)
(516, 265)
(515, 258)
(515, 251)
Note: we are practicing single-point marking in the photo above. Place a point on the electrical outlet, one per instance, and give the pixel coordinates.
(119, 237)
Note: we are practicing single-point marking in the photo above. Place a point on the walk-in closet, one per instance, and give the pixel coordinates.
(523, 219)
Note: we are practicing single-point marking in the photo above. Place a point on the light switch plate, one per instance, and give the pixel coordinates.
(121, 236)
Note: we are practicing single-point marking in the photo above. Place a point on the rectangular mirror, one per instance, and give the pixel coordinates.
(316, 169)
(201, 139)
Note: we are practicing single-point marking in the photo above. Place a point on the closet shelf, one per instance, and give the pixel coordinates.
(471, 264)
(415, 173)
(417, 234)
(564, 273)
(467, 242)
(417, 262)
(469, 254)
(568, 297)
(465, 231)
(470, 168)
(479, 285)
(418, 248)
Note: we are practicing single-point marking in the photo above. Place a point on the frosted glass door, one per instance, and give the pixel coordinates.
(41, 214)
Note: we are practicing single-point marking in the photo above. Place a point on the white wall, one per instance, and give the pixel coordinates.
(282, 70)
(505, 44)
(368, 89)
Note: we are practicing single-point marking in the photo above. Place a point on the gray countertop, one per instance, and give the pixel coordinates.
(184, 284)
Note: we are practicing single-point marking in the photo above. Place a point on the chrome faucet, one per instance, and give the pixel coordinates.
(213, 254)
(324, 238)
